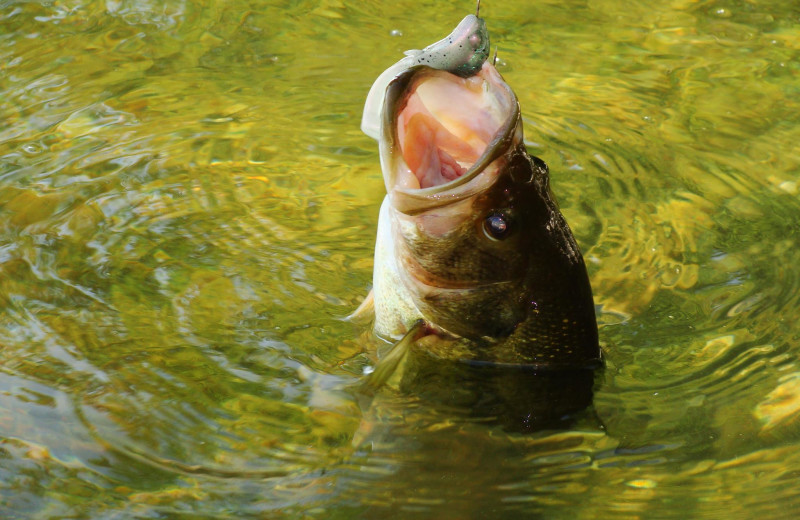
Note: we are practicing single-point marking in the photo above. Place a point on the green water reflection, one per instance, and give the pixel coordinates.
(187, 206)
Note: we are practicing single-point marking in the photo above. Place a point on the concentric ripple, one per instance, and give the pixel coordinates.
(188, 208)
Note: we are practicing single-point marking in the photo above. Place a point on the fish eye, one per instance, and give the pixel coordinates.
(497, 226)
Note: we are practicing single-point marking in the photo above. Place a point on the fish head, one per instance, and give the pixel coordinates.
(481, 247)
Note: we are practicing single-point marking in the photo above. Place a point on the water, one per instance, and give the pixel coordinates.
(187, 206)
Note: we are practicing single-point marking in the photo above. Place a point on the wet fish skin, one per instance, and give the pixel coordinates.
(486, 260)
(525, 299)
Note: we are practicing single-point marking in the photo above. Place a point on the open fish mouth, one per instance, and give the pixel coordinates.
(446, 141)
(445, 125)
(442, 130)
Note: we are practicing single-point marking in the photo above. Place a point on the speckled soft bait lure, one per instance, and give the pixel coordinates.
(461, 53)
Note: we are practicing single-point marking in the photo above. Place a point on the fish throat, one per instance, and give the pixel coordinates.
(445, 124)
(441, 130)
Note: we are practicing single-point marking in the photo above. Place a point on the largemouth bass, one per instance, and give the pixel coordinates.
(471, 247)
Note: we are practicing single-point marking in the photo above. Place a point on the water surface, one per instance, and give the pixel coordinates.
(187, 206)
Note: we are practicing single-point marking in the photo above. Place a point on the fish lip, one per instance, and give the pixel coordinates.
(436, 196)
(464, 61)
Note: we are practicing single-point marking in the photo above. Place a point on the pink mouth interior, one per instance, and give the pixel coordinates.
(445, 126)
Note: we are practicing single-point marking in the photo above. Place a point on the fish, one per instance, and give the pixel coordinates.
(473, 262)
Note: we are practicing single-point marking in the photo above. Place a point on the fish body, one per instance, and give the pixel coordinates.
(470, 240)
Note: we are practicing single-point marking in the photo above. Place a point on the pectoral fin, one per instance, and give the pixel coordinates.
(387, 366)
(364, 312)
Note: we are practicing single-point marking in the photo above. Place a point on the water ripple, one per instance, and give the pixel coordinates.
(188, 205)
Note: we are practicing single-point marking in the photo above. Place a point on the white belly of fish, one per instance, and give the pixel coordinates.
(395, 311)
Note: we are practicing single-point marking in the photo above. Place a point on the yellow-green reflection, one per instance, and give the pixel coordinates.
(187, 206)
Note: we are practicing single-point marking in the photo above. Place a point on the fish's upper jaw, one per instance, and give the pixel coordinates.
(462, 52)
